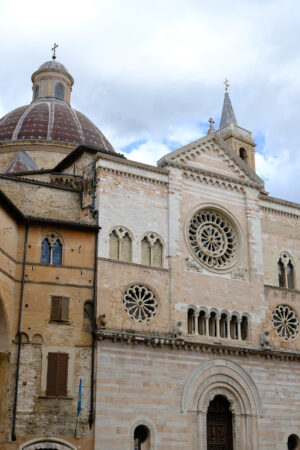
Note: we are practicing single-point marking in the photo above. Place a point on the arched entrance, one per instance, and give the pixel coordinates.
(219, 424)
(47, 444)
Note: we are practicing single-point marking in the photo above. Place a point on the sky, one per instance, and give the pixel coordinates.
(150, 73)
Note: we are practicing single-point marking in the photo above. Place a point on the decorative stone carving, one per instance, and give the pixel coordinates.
(101, 321)
(239, 274)
(264, 339)
(192, 265)
(177, 330)
(213, 239)
(140, 303)
(285, 322)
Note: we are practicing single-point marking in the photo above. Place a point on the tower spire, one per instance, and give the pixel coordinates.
(228, 115)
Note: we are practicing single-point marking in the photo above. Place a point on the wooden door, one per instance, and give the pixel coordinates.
(219, 425)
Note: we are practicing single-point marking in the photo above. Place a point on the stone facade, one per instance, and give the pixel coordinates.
(181, 285)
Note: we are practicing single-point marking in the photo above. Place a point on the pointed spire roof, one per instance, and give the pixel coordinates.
(22, 162)
(228, 115)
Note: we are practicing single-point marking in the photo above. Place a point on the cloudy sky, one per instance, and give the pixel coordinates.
(149, 73)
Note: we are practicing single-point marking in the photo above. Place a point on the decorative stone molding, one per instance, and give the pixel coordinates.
(192, 265)
(239, 274)
(119, 172)
(47, 443)
(191, 345)
(204, 176)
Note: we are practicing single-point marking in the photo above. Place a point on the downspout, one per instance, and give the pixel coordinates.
(94, 325)
(19, 335)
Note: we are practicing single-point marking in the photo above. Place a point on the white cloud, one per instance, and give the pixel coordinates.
(151, 71)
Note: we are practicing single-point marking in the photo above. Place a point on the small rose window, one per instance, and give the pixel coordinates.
(285, 322)
(140, 303)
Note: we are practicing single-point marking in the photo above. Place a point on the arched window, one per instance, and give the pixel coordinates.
(191, 321)
(293, 442)
(51, 249)
(243, 154)
(141, 438)
(151, 250)
(234, 327)
(286, 276)
(244, 328)
(281, 274)
(290, 275)
(213, 324)
(202, 323)
(88, 310)
(59, 91)
(120, 244)
(36, 92)
(223, 326)
(45, 253)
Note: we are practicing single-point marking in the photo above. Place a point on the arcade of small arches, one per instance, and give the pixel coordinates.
(217, 323)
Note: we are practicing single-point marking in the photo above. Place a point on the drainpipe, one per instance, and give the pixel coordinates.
(94, 325)
(19, 335)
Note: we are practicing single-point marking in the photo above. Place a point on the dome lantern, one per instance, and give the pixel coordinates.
(52, 81)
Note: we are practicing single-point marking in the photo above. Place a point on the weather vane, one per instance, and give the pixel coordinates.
(54, 51)
(226, 82)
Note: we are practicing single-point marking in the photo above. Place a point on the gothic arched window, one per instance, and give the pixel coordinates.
(151, 250)
(51, 249)
(120, 244)
(191, 321)
(286, 276)
(59, 91)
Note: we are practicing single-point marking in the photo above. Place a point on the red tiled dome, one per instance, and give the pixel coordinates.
(51, 121)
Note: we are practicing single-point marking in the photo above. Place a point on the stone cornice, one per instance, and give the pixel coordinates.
(161, 340)
(206, 175)
(129, 162)
(279, 202)
(146, 178)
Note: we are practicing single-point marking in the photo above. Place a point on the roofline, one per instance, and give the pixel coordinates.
(11, 207)
(279, 201)
(65, 223)
(74, 155)
(130, 162)
(39, 183)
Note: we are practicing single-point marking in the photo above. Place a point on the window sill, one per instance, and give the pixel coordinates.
(60, 397)
(61, 322)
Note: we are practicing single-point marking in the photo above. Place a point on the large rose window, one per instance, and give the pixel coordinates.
(285, 322)
(213, 239)
(140, 303)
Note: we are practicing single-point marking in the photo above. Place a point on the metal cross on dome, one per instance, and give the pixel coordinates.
(226, 82)
(54, 51)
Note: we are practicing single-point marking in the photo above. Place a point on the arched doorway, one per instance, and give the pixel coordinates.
(219, 424)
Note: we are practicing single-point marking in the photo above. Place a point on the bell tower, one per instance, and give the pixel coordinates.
(240, 140)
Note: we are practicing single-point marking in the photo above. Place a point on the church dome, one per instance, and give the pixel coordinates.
(51, 120)
(50, 116)
(53, 65)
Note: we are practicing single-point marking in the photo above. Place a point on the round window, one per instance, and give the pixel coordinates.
(285, 322)
(213, 239)
(140, 303)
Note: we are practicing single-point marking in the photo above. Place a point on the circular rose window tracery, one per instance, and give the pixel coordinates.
(213, 239)
(140, 303)
(285, 322)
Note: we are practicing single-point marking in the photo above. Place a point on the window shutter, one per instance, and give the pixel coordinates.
(51, 374)
(62, 374)
(64, 311)
(55, 308)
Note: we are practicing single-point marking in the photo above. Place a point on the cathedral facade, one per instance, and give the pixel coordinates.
(142, 307)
